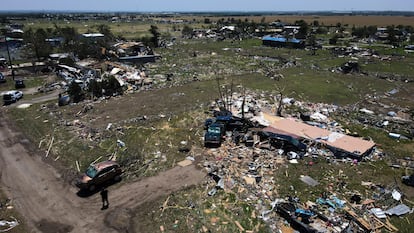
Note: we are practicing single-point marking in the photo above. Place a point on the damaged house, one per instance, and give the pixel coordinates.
(340, 144)
(280, 41)
(133, 53)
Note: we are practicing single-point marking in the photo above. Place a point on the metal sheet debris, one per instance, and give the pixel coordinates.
(309, 180)
(399, 210)
(8, 225)
(378, 212)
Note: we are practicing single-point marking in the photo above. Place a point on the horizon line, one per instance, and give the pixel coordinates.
(224, 11)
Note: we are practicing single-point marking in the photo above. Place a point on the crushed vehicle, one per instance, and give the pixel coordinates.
(12, 97)
(408, 180)
(216, 128)
(231, 122)
(285, 142)
(19, 84)
(224, 121)
(214, 134)
(223, 115)
(99, 174)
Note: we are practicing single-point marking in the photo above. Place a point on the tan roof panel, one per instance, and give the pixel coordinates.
(341, 141)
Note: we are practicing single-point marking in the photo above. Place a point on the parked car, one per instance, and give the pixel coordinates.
(2, 78)
(12, 96)
(99, 174)
(19, 84)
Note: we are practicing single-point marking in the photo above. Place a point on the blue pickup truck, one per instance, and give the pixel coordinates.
(214, 134)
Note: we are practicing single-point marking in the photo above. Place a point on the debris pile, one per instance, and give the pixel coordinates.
(249, 173)
(396, 122)
(247, 162)
(350, 67)
(356, 52)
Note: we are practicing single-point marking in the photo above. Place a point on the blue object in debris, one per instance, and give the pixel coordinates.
(304, 212)
(325, 202)
(281, 39)
(321, 201)
(330, 203)
(339, 202)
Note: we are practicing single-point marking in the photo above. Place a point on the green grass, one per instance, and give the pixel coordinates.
(40, 127)
(312, 84)
(394, 149)
(158, 146)
(316, 86)
(394, 67)
(30, 82)
(191, 209)
(155, 142)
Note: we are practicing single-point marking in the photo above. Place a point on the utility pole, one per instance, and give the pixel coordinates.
(8, 54)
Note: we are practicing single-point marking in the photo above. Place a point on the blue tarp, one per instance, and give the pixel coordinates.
(281, 39)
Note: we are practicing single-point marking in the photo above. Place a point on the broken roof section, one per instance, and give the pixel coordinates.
(133, 52)
(128, 45)
(350, 145)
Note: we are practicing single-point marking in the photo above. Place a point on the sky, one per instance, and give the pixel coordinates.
(207, 5)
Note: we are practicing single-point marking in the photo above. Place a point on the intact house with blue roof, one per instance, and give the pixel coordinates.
(279, 41)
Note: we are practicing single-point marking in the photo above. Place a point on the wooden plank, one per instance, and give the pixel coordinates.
(184, 163)
(239, 226)
(77, 166)
(364, 224)
(379, 224)
(388, 223)
(50, 146)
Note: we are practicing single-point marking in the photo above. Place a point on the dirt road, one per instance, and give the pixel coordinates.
(49, 204)
(40, 99)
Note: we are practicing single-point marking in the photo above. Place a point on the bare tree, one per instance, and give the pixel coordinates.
(244, 101)
(220, 93)
(278, 99)
(226, 94)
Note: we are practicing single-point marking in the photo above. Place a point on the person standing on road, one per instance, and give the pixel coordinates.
(104, 195)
